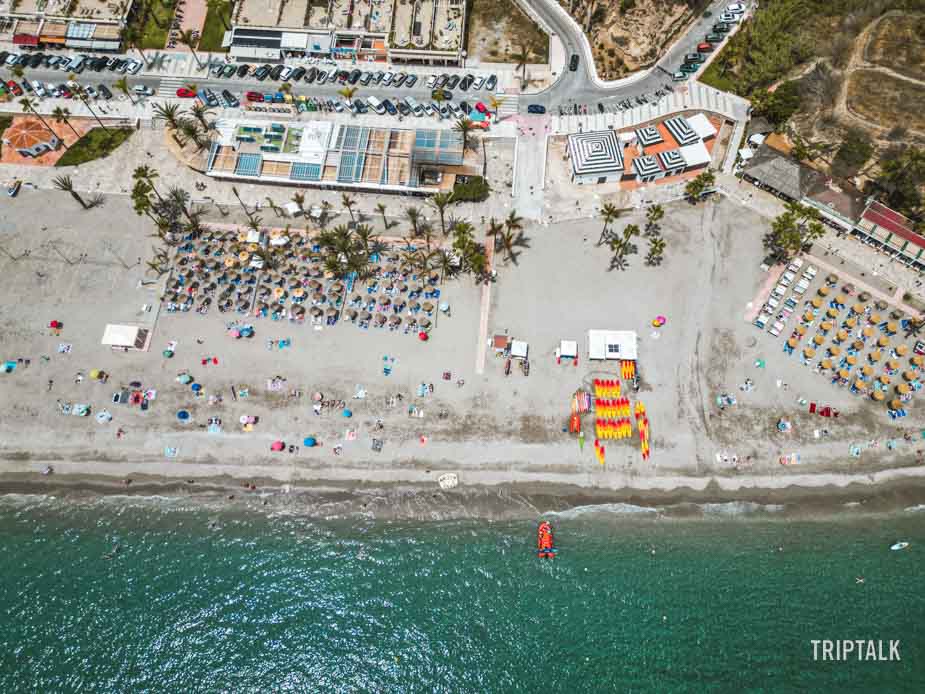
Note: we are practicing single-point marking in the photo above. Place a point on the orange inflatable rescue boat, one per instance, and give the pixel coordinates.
(545, 546)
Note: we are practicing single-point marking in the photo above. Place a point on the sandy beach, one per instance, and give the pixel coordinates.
(501, 435)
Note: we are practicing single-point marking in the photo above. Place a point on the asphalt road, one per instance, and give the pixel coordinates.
(579, 87)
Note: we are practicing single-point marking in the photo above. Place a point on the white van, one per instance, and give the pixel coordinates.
(415, 107)
(375, 105)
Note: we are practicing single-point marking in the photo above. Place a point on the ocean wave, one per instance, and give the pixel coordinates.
(739, 508)
(616, 509)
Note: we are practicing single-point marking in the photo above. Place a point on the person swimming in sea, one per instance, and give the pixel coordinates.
(113, 553)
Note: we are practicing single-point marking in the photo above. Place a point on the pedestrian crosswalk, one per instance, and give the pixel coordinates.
(169, 86)
(510, 104)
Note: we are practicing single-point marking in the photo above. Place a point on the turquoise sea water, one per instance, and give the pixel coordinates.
(256, 604)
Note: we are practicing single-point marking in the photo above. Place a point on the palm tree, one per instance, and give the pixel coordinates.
(507, 242)
(514, 222)
(494, 103)
(65, 184)
(148, 175)
(656, 251)
(62, 115)
(440, 202)
(348, 204)
(223, 9)
(123, 86)
(299, 199)
(464, 126)
(653, 216)
(171, 114)
(381, 209)
(132, 38)
(191, 41)
(521, 56)
(199, 111)
(29, 106)
(286, 87)
(414, 218)
(609, 213)
(347, 92)
(444, 264)
(494, 231)
(82, 95)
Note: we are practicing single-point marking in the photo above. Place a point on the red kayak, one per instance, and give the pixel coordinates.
(545, 546)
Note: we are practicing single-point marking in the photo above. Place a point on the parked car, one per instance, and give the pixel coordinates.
(134, 66)
(453, 81)
(285, 73)
(311, 74)
(679, 76)
(27, 86)
(230, 100)
(36, 60)
(729, 17)
(228, 71)
(262, 72)
(354, 76)
(276, 72)
(573, 62)
(536, 108)
(721, 28)
(705, 47)
(403, 108)
(466, 82)
(333, 76)
(209, 97)
(693, 58)
(343, 76)
(322, 77)
(104, 91)
(491, 83)
(387, 79)
(441, 81)
(481, 108)
(14, 88)
(143, 90)
(390, 107)
(366, 79)
(377, 77)
(242, 70)
(399, 79)
(91, 92)
(479, 83)
(297, 74)
(714, 38)
(411, 80)
(186, 93)
(217, 70)
(736, 8)
(360, 105)
(253, 96)
(689, 68)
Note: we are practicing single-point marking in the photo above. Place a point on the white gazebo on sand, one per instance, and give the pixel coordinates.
(612, 344)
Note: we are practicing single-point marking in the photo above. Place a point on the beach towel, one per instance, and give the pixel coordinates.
(64, 348)
(170, 452)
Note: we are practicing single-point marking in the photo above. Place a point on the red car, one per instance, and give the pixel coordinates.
(14, 88)
(185, 93)
(481, 108)
(254, 96)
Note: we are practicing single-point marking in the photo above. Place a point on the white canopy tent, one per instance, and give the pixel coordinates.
(125, 336)
(612, 344)
(568, 349)
(519, 349)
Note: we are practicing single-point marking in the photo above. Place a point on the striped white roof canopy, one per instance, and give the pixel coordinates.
(595, 153)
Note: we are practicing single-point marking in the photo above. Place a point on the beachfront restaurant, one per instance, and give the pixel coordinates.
(612, 344)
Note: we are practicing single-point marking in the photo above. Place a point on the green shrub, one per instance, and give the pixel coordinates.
(855, 150)
(475, 189)
(627, 5)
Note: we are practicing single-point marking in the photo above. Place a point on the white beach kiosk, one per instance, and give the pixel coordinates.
(125, 337)
(612, 344)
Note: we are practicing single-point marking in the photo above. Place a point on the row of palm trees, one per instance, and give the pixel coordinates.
(621, 244)
(193, 126)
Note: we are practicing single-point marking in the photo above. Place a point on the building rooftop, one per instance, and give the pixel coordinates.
(892, 221)
(595, 153)
(87, 10)
(777, 171)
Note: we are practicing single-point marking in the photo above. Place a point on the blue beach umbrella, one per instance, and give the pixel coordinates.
(309, 442)
(183, 415)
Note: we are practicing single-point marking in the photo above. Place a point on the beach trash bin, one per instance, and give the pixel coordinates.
(309, 442)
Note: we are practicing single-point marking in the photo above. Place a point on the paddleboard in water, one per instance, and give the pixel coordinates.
(899, 546)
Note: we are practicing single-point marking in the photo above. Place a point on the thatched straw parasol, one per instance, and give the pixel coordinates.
(884, 379)
(818, 339)
(834, 351)
(860, 385)
(823, 291)
(867, 370)
(917, 360)
(817, 303)
(832, 313)
(883, 341)
(826, 364)
(878, 395)
(809, 352)
(843, 374)
(808, 317)
(825, 327)
(801, 330)
(902, 350)
(881, 305)
(857, 309)
(909, 375)
(851, 359)
(895, 404)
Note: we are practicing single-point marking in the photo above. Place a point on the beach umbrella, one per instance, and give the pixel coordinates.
(867, 331)
(277, 445)
(352, 313)
(832, 313)
(895, 404)
(841, 336)
(414, 306)
(309, 442)
(858, 345)
(881, 305)
(893, 364)
(903, 389)
(896, 314)
(809, 352)
(424, 323)
(883, 341)
(336, 288)
(875, 355)
(917, 360)
(356, 299)
(315, 311)
(817, 303)
(891, 327)
(867, 370)
(801, 330)
(317, 297)
(878, 395)
(427, 306)
(95, 374)
(279, 292)
(196, 387)
(843, 374)
(380, 318)
(902, 350)
(384, 301)
(244, 305)
(183, 415)
(909, 375)
(840, 299)
(857, 309)
(826, 364)
(314, 284)
(298, 310)
(332, 311)
(832, 278)
(422, 336)
(848, 288)
(823, 291)
(860, 385)
(884, 379)
(348, 414)
(834, 351)
(792, 342)
(395, 320)
(874, 318)
(167, 354)
(864, 296)
(825, 326)
(851, 359)
(365, 316)
(851, 322)
(818, 340)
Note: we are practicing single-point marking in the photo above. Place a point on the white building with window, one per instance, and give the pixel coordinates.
(612, 344)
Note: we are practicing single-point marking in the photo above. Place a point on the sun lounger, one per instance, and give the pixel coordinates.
(776, 328)
(795, 265)
(779, 291)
